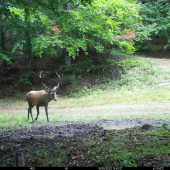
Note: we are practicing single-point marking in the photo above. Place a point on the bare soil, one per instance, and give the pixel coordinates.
(61, 130)
(46, 135)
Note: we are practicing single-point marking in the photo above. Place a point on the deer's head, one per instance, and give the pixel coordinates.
(51, 92)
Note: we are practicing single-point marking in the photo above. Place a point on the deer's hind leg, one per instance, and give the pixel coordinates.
(37, 112)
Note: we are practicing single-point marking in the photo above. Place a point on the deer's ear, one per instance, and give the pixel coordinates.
(47, 90)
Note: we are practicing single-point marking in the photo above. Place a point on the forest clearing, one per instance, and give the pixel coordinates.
(85, 128)
(84, 83)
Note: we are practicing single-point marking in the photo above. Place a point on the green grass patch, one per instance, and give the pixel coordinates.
(139, 96)
(17, 118)
(138, 84)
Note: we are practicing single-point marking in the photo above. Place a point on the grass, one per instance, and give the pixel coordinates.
(128, 147)
(16, 117)
(140, 85)
(114, 96)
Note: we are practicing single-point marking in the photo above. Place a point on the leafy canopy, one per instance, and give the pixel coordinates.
(95, 25)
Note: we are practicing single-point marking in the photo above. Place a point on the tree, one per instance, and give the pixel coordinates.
(33, 18)
(3, 53)
(92, 28)
(155, 16)
(97, 26)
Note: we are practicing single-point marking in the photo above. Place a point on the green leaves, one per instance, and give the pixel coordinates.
(44, 43)
(156, 18)
(98, 25)
(83, 25)
(5, 58)
(3, 165)
(17, 11)
(25, 78)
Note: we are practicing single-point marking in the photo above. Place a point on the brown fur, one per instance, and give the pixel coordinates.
(31, 97)
(39, 98)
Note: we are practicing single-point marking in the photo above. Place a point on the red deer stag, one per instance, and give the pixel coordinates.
(41, 98)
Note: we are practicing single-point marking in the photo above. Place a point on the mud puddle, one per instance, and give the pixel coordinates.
(70, 129)
(119, 127)
(125, 124)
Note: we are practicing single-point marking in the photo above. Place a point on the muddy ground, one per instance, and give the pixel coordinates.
(62, 129)
(45, 135)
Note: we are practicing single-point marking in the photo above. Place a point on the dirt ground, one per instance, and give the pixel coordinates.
(65, 129)
(27, 140)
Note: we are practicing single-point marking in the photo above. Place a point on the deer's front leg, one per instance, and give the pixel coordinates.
(37, 112)
(46, 110)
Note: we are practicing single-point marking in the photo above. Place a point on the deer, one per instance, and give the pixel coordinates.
(41, 98)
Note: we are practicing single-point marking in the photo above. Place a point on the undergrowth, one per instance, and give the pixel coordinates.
(132, 73)
(126, 148)
(123, 73)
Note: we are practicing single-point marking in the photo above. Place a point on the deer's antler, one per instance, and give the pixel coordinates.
(43, 83)
(56, 87)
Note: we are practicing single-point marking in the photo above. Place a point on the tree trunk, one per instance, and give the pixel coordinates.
(20, 160)
(65, 58)
(29, 48)
(28, 40)
(5, 70)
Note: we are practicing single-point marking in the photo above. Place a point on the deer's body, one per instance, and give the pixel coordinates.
(41, 98)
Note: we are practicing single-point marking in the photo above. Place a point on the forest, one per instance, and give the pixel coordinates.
(105, 64)
(79, 39)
